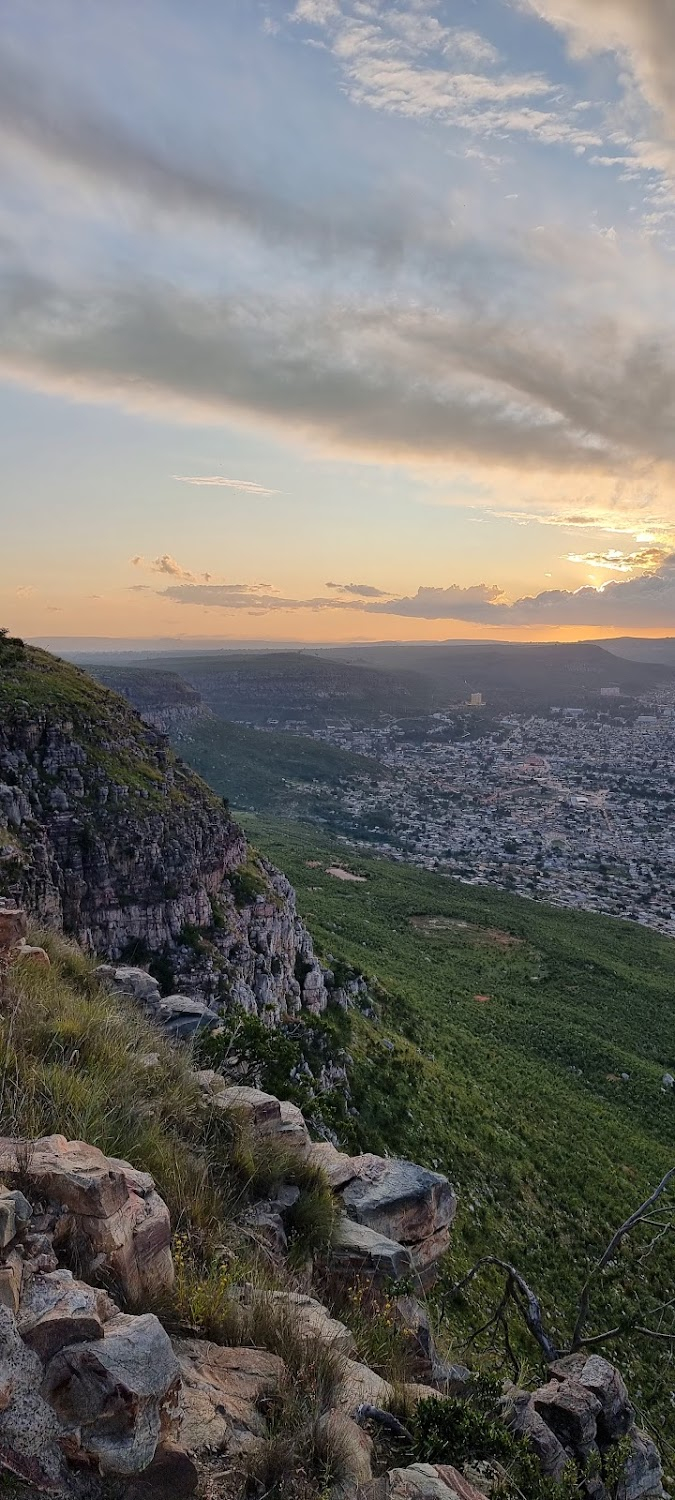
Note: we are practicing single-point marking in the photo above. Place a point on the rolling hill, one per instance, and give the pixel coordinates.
(515, 677)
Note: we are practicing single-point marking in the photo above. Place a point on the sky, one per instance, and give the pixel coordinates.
(337, 320)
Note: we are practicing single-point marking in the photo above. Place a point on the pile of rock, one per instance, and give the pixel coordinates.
(88, 1391)
(394, 1217)
(81, 1383)
(581, 1415)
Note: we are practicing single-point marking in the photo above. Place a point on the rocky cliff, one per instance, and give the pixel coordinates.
(105, 834)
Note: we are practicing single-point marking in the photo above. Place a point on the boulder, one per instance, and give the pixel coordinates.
(29, 953)
(222, 1390)
(360, 1386)
(181, 1017)
(15, 1214)
(136, 983)
(29, 1430)
(116, 1396)
(397, 1199)
(56, 1311)
(571, 1411)
(348, 1447)
(306, 1317)
(120, 1223)
(357, 1250)
(642, 1476)
(267, 1118)
(522, 1418)
(616, 1416)
(172, 1475)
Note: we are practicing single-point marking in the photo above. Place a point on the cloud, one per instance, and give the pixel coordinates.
(59, 135)
(168, 564)
(616, 561)
(405, 381)
(642, 35)
(221, 482)
(643, 602)
(402, 60)
(647, 601)
(362, 590)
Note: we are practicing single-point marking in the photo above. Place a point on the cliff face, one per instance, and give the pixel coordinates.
(105, 834)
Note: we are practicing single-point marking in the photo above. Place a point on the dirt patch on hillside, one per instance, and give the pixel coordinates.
(338, 873)
(494, 937)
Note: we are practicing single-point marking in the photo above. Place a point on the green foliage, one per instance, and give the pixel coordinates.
(461, 1430)
(247, 1051)
(248, 882)
(77, 1061)
(269, 772)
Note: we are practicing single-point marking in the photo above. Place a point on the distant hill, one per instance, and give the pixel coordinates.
(512, 676)
(659, 652)
(291, 688)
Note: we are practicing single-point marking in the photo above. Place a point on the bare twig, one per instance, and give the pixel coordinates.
(608, 1255)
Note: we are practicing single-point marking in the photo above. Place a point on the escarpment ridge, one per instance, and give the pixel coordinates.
(107, 836)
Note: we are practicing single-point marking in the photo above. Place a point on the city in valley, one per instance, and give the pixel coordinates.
(575, 807)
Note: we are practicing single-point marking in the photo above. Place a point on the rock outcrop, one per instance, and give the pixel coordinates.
(109, 1212)
(580, 1416)
(107, 836)
(394, 1217)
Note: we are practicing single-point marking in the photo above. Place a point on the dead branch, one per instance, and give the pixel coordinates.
(608, 1255)
(526, 1301)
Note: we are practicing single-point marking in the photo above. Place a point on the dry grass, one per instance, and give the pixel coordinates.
(306, 1451)
(76, 1061)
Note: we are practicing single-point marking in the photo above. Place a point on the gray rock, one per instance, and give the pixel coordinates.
(136, 983)
(15, 1213)
(571, 1411)
(522, 1418)
(616, 1416)
(642, 1477)
(56, 1311)
(29, 1430)
(117, 1395)
(182, 1017)
(357, 1250)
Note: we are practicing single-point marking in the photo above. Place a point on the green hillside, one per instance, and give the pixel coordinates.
(274, 772)
(511, 1025)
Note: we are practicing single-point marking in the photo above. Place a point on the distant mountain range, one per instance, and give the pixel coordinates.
(307, 689)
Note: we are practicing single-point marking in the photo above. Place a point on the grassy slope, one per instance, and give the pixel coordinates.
(256, 769)
(547, 1159)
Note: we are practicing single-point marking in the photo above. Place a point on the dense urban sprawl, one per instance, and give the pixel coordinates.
(574, 806)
